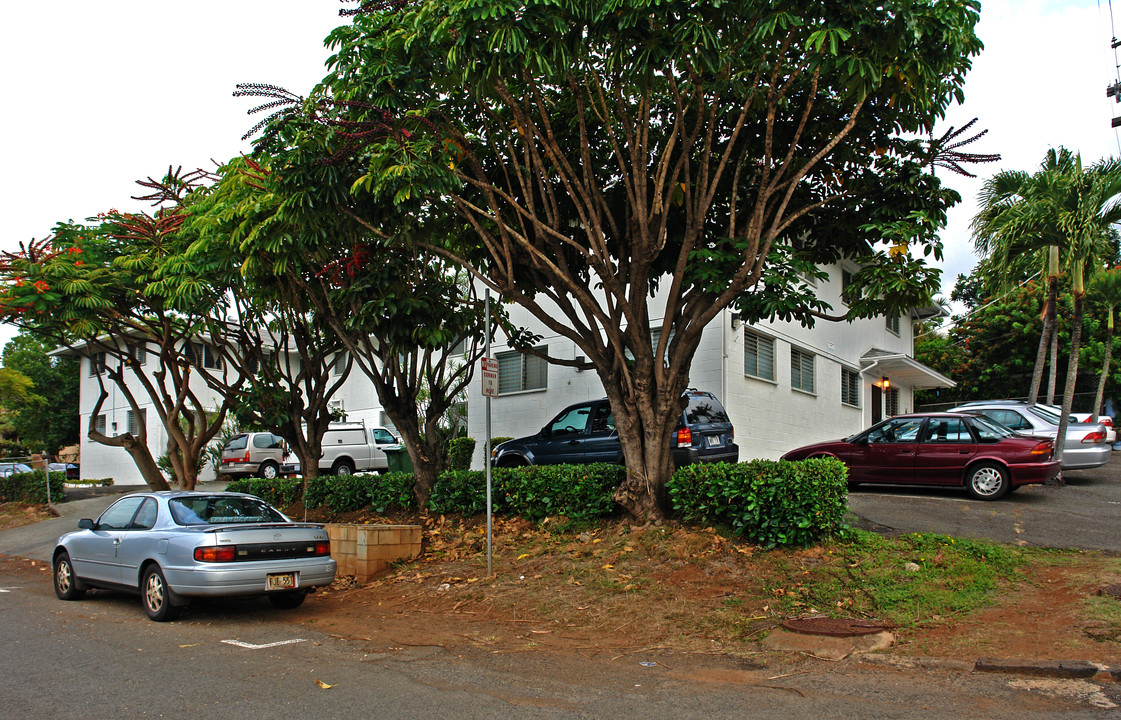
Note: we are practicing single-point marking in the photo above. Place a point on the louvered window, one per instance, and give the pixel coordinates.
(518, 372)
(801, 370)
(850, 387)
(758, 355)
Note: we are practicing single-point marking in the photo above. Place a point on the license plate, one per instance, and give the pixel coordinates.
(281, 581)
(713, 440)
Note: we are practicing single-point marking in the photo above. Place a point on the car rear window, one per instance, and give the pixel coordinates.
(222, 510)
(1047, 415)
(705, 409)
(237, 442)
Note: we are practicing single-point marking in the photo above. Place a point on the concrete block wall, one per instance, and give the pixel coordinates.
(367, 550)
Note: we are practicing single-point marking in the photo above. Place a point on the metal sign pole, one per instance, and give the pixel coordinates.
(486, 448)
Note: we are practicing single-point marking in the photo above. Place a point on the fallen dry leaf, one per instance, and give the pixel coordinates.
(322, 684)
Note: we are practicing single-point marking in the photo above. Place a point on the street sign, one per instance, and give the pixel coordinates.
(490, 377)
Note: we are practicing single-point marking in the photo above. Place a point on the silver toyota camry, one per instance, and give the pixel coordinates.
(173, 546)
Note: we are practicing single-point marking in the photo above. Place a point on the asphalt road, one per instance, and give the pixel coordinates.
(1084, 512)
(101, 657)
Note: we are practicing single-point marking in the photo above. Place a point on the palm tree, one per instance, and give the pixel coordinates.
(1067, 212)
(1010, 226)
(1107, 288)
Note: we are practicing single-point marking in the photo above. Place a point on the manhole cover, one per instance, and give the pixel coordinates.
(1113, 591)
(835, 627)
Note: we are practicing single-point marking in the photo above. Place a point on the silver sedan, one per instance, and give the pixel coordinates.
(1085, 446)
(173, 546)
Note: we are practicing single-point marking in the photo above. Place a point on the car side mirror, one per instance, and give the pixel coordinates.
(86, 524)
(545, 431)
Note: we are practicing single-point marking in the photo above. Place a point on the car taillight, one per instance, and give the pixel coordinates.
(220, 553)
(1094, 437)
(323, 547)
(1043, 448)
(1107, 421)
(684, 437)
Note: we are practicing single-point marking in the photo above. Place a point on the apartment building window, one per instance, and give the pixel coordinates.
(138, 353)
(518, 372)
(97, 363)
(137, 421)
(846, 280)
(209, 356)
(850, 387)
(801, 370)
(891, 402)
(758, 355)
(893, 324)
(99, 424)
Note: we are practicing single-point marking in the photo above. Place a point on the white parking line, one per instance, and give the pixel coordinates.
(251, 646)
(8, 589)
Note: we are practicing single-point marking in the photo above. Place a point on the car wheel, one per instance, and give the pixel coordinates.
(156, 596)
(987, 481)
(288, 600)
(343, 467)
(66, 583)
(269, 470)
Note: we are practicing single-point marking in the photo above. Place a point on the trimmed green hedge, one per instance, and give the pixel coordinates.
(31, 487)
(767, 502)
(460, 451)
(278, 491)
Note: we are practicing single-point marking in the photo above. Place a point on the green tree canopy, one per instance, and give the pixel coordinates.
(707, 154)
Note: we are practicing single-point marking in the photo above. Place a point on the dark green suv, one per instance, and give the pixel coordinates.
(585, 433)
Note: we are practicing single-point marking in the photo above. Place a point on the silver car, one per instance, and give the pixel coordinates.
(1085, 445)
(173, 546)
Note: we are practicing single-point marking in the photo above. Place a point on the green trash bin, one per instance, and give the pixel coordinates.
(398, 459)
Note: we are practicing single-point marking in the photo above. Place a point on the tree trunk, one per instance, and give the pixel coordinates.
(1072, 372)
(645, 426)
(1049, 321)
(1100, 397)
(1054, 369)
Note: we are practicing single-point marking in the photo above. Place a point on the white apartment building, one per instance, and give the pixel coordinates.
(783, 385)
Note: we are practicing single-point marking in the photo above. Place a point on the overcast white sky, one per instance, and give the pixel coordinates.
(99, 94)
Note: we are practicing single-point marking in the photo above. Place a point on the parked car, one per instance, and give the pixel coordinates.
(949, 449)
(10, 468)
(70, 469)
(1085, 445)
(585, 433)
(1107, 421)
(255, 453)
(172, 546)
(352, 447)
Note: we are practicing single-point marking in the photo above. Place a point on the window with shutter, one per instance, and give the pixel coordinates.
(758, 355)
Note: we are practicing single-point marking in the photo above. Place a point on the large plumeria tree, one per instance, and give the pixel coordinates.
(710, 155)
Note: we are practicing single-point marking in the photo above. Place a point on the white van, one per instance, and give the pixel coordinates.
(352, 447)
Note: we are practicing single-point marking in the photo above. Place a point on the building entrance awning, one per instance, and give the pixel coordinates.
(902, 369)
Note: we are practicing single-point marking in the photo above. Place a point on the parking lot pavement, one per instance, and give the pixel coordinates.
(1083, 512)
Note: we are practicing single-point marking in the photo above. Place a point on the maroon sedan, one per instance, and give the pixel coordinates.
(953, 449)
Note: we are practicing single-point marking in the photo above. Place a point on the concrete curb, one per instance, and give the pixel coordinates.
(1062, 669)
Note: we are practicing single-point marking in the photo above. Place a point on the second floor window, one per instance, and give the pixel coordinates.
(519, 371)
(893, 324)
(850, 387)
(137, 421)
(97, 363)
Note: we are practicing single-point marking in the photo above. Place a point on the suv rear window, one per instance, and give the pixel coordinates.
(705, 409)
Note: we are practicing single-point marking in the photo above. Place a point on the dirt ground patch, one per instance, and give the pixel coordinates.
(621, 590)
(16, 514)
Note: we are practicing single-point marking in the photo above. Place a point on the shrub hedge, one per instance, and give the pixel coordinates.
(460, 450)
(31, 487)
(767, 502)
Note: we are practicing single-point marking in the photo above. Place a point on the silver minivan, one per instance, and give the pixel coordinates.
(255, 453)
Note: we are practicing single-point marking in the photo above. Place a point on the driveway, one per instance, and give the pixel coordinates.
(1083, 513)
